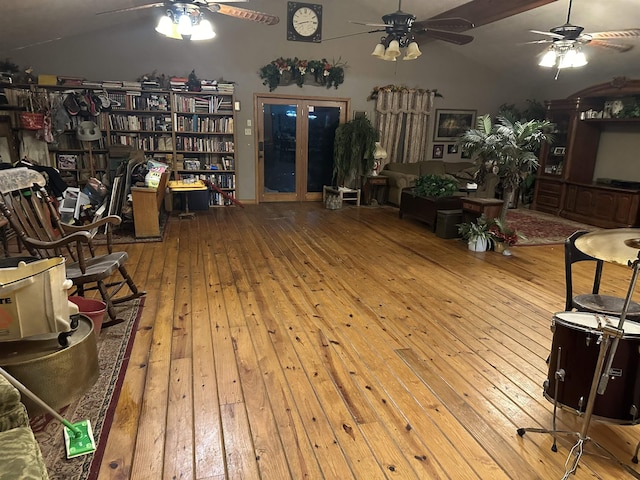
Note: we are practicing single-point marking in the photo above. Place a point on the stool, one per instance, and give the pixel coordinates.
(447, 223)
(345, 194)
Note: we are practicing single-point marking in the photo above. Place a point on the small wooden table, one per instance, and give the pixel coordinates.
(473, 208)
(370, 187)
(345, 194)
(184, 187)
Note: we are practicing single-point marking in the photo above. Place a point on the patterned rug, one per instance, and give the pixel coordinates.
(97, 405)
(541, 228)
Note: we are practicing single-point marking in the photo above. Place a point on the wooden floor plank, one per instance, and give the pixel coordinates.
(292, 341)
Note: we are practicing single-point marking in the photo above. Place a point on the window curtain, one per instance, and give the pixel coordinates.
(402, 118)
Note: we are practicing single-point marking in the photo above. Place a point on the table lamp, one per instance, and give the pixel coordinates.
(379, 154)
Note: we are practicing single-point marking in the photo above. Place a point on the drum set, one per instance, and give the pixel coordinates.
(594, 365)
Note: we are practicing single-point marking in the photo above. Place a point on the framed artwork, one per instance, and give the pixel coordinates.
(465, 155)
(438, 151)
(452, 148)
(451, 123)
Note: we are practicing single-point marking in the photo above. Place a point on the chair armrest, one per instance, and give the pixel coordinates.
(398, 179)
(111, 219)
(83, 236)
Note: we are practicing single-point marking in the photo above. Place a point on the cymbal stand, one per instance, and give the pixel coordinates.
(610, 335)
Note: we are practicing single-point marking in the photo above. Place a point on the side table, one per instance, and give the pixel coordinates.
(473, 208)
(344, 194)
(370, 188)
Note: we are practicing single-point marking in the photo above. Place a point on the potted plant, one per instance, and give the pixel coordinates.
(435, 186)
(506, 148)
(353, 148)
(476, 233)
(504, 236)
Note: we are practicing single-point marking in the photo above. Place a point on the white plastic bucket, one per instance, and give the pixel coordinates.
(33, 299)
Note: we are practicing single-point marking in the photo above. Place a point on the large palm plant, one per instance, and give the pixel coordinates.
(507, 148)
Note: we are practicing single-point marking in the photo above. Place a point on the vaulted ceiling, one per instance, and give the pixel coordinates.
(500, 45)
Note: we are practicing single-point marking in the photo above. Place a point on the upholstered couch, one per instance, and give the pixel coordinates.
(21, 456)
(403, 175)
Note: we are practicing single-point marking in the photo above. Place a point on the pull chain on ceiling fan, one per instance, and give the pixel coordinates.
(567, 41)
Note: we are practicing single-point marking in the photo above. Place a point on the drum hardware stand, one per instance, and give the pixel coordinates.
(598, 386)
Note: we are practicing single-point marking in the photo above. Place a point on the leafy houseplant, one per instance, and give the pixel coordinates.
(353, 148)
(476, 234)
(506, 148)
(435, 186)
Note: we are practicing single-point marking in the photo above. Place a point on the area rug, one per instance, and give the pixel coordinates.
(125, 233)
(97, 405)
(541, 228)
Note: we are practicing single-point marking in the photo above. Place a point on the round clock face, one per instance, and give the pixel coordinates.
(305, 21)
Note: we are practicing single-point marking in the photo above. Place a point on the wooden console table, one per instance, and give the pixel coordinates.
(147, 203)
(473, 208)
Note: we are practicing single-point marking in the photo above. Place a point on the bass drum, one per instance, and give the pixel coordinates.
(576, 343)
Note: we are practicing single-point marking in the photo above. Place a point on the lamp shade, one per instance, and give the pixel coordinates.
(549, 58)
(203, 31)
(393, 50)
(185, 28)
(164, 25)
(379, 153)
(413, 52)
(88, 131)
(378, 51)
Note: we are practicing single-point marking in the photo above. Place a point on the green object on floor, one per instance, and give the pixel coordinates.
(78, 438)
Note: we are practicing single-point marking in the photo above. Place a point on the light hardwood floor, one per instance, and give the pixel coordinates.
(287, 341)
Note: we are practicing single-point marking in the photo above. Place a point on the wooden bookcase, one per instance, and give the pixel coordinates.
(192, 132)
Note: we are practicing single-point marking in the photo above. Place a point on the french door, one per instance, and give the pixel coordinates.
(295, 146)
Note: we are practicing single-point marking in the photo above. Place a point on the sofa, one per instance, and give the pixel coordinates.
(21, 456)
(403, 175)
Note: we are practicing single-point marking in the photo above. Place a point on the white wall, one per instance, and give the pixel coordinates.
(241, 48)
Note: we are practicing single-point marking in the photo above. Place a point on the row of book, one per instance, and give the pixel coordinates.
(202, 104)
(135, 100)
(195, 123)
(143, 123)
(149, 143)
(191, 144)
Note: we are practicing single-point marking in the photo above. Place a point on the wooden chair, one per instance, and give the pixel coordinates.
(591, 302)
(33, 216)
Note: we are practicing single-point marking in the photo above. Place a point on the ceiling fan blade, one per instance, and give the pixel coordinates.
(455, 23)
(353, 34)
(244, 14)
(131, 9)
(451, 37)
(618, 47)
(368, 24)
(549, 34)
(536, 42)
(483, 12)
(630, 32)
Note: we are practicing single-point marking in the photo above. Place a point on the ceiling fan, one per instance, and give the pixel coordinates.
(187, 20)
(570, 38)
(403, 31)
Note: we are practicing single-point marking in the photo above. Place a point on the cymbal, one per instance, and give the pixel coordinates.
(616, 245)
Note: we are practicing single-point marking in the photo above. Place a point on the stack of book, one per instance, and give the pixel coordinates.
(179, 84)
(226, 87)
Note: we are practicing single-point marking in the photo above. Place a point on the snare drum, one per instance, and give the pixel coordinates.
(576, 340)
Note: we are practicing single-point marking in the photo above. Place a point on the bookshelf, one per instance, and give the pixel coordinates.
(193, 132)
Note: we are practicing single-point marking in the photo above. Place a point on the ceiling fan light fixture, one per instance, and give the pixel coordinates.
(413, 51)
(580, 59)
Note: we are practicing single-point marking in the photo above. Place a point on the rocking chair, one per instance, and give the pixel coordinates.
(31, 213)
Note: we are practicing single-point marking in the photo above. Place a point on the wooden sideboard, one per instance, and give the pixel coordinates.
(565, 185)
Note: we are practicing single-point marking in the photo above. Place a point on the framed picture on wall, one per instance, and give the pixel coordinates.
(451, 123)
(438, 151)
(452, 148)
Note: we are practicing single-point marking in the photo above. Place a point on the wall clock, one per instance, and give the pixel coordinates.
(304, 22)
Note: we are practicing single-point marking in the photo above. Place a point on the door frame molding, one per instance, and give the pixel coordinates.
(258, 99)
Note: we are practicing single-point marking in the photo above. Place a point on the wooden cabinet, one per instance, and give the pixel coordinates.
(565, 185)
(602, 206)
